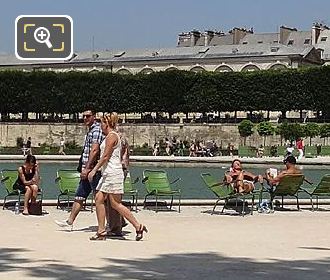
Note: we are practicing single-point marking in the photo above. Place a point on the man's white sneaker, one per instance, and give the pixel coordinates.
(64, 224)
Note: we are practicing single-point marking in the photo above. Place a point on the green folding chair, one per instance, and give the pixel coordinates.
(130, 190)
(67, 181)
(158, 185)
(322, 189)
(288, 186)
(225, 192)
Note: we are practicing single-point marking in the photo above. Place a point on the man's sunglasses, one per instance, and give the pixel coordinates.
(87, 116)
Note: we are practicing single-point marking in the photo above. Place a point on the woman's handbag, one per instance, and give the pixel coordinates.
(35, 208)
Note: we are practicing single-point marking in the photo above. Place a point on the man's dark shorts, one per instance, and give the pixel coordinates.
(85, 187)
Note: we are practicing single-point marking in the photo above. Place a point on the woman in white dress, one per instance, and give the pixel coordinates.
(111, 184)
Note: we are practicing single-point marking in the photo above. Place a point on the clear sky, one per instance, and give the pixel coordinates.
(129, 24)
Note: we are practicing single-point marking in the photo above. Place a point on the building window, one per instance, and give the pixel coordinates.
(307, 41)
(146, 71)
(197, 69)
(323, 39)
(244, 43)
(260, 42)
(290, 42)
(223, 68)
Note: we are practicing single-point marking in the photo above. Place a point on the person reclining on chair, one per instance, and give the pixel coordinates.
(241, 180)
(27, 181)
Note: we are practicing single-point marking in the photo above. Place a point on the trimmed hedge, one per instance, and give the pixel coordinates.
(172, 91)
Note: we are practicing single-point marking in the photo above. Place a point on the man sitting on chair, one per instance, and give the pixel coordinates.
(291, 169)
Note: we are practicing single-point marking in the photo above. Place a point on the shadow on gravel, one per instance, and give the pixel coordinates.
(170, 266)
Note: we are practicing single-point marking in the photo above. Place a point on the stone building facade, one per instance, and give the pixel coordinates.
(237, 50)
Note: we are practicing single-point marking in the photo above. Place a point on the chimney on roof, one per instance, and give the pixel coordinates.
(183, 38)
(316, 31)
(238, 34)
(285, 33)
(195, 35)
(208, 36)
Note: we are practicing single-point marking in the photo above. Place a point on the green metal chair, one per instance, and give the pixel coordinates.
(8, 179)
(288, 186)
(225, 192)
(67, 181)
(158, 185)
(130, 190)
(322, 189)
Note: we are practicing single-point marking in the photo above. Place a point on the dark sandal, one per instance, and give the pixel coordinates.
(139, 233)
(99, 236)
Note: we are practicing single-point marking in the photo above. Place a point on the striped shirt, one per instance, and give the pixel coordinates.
(94, 135)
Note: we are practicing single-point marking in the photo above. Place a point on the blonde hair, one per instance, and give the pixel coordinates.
(110, 119)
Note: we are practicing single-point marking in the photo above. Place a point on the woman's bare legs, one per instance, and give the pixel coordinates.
(27, 196)
(239, 183)
(34, 189)
(100, 210)
(248, 187)
(241, 186)
(115, 200)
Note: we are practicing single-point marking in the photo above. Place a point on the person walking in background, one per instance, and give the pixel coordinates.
(300, 147)
(111, 185)
(28, 146)
(230, 149)
(318, 149)
(260, 151)
(27, 181)
(289, 149)
(155, 151)
(62, 146)
(168, 146)
(91, 152)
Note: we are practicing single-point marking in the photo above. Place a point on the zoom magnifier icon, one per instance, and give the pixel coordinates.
(42, 35)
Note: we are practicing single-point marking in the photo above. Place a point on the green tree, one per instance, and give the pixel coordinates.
(265, 129)
(311, 130)
(325, 131)
(245, 129)
(290, 131)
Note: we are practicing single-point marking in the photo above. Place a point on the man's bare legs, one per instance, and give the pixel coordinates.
(76, 207)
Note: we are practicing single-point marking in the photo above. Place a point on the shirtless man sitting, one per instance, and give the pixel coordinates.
(291, 169)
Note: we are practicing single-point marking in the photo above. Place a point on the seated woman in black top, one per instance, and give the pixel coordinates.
(28, 180)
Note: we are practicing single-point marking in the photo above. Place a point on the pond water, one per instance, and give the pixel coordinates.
(191, 185)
